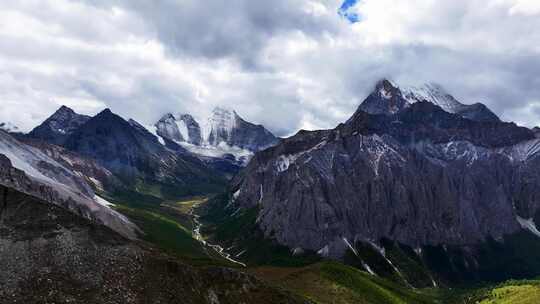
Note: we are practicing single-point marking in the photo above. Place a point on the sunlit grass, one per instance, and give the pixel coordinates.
(514, 294)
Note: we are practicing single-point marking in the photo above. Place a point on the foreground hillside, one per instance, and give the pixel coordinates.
(50, 255)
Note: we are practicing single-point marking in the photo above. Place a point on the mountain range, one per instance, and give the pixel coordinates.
(224, 134)
(415, 190)
(414, 173)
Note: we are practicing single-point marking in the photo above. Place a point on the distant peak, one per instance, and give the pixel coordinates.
(64, 110)
(387, 89)
(186, 117)
(106, 112)
(167, 116)
(224, 114)
(386, 84)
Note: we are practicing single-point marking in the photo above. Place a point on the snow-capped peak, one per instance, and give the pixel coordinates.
(434, 93)
(387, 89)
(389, 99)
(179, 128)
(222, 134)
(220, 126)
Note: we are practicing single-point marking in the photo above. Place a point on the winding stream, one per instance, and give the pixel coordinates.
(197, 235)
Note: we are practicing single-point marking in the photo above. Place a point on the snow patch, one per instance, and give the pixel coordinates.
(369, 270)
(261, 195)
(102, 201)
(153, 131)
(350, 246)
(324, 252)
(221, 123)
(24, 159)
(528, 224)
(183, 129)
(284, 161)
(385, 94)
(236, 194)
(219, 151)
(522, 151)
(433, 93)
(96, 183)
(382, 252)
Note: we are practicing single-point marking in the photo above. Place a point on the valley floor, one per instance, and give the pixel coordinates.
(174, 226)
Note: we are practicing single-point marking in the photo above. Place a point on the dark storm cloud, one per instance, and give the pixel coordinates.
(236, 29)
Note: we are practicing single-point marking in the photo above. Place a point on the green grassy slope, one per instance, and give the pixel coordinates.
(238, 230)
(510, 292)
(333, 282)
(166, 225)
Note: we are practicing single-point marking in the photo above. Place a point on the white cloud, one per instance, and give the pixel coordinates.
(287, 64)
(524, 7)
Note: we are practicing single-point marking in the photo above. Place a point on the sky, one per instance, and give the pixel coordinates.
(286, 64)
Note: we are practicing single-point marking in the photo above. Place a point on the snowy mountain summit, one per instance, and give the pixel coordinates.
(223, 134)
(388, 98)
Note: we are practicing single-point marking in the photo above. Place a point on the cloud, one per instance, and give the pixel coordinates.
(288, 64)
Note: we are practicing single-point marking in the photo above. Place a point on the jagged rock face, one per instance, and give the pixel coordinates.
(426, 121)
(99, 177)
(478, 112)
(39, 166)
(225, 142)
(385, 99)
(223, 127)
(50, 255)
(389, 99)
(228, 127)
(421, 176)
(31, 171)
(131, 152)
(180, 128)
(59, 126)
(193, 129)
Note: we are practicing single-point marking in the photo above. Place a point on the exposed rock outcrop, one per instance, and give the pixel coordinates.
(224, 137)
(29, 170)
(388, 99)
(59, 126)
(415, 174)
(133, 154)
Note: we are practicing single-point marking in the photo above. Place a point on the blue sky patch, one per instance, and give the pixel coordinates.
(346, 12)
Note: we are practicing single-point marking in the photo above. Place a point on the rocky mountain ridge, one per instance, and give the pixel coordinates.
(29, 170)
(388, 98)
(223, 134)
(133, 154)
(413, 173)
(60, 125)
